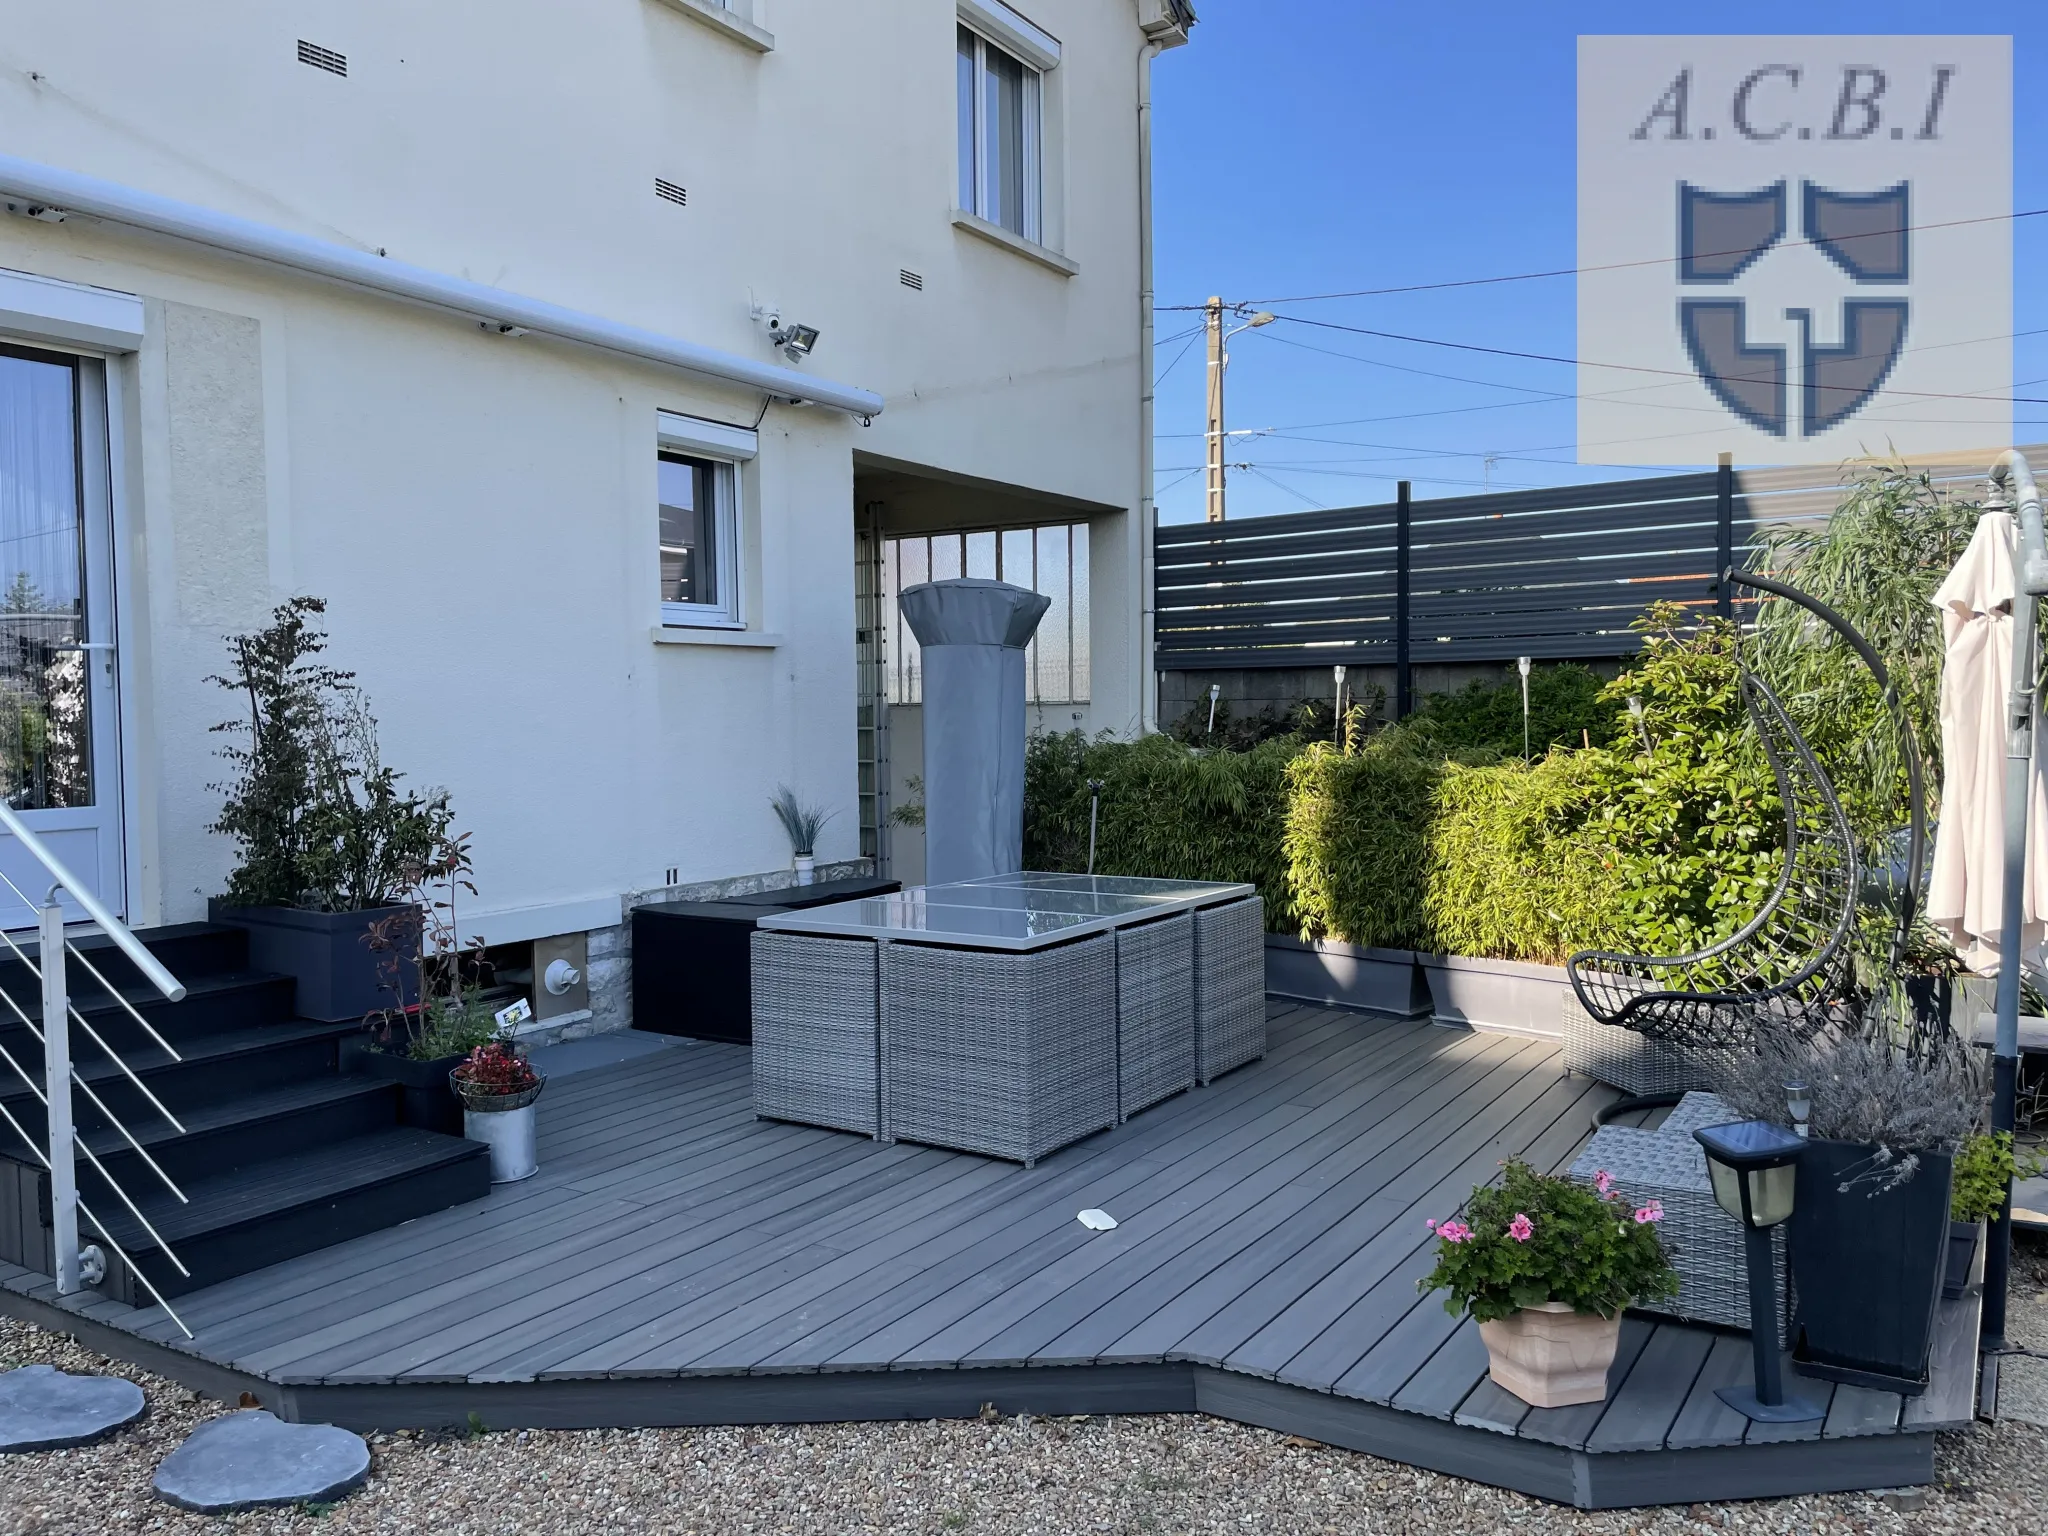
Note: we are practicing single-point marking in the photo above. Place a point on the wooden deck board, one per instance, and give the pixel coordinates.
(1271, 1235)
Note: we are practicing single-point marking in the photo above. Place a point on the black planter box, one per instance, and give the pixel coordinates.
(1868, 1266)
(1962, 1253)
(426, 1102)
(693, 960)
(327, 953)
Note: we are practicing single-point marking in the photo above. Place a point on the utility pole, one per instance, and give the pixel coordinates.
(1213, 321)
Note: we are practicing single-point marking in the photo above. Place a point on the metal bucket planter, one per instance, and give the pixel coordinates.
(504, 1122)
(1868, 1264)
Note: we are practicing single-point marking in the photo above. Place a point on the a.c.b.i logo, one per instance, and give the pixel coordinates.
(1866, 235)
(1793, 250)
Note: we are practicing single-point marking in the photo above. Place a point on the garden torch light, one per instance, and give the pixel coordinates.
(1215, 693)
(1522, 666)
(1754, 1167)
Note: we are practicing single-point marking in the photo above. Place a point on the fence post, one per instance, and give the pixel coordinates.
(1724, 537)
(1404, 699)
(57, 1083)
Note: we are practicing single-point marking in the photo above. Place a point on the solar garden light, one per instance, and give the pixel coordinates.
(1215, 693)
(1522, 666)
(1799, 1104)
(1754, 1166)
(1338, 673)
(1094, 804)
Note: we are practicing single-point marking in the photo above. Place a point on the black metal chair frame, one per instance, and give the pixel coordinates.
(1800, 990)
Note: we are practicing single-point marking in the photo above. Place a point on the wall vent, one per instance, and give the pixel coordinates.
(680, 196)
(910, 279)
(322, 58)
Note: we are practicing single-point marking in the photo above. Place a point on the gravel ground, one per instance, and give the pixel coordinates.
(1173, 1476)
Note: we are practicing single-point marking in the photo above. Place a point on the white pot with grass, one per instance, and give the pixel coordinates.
(803, 823)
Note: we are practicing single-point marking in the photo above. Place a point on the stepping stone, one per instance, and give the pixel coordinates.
(45, 1409)
(252, 1459)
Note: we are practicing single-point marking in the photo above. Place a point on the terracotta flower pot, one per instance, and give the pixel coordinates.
(1550, 1356)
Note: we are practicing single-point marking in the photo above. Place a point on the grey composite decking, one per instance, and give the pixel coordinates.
(678, 1261)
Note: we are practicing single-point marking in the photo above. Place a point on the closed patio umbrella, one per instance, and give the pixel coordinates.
(1976, 615)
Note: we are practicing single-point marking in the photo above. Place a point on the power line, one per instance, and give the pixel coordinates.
(1612, 266)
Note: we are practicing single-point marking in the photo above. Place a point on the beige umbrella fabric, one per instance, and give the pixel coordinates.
(1964, 890)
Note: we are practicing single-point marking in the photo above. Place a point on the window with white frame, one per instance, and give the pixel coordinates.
(1000, 111)
(697, 484)
(1052, 560)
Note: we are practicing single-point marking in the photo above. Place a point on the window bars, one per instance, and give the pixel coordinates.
(78, 1266)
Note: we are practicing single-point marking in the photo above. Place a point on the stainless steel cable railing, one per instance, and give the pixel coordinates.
(78, 1266)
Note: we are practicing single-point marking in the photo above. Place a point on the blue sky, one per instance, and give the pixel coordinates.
(1324, 145)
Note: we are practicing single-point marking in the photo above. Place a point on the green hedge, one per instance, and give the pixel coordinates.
(1167, 810)
(1659, 839)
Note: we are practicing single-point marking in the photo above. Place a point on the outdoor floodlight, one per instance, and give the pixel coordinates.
(795, 340)
(1754, 1166)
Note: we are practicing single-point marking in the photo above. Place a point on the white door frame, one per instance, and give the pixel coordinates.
(96, 327)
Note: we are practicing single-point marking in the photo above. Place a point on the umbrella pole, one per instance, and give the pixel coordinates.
(2011, 470)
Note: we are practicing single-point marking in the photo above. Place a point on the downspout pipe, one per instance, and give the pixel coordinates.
(48, 190)
(1148, 513)
(2012, 477)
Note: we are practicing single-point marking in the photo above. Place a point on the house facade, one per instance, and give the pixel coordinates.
(605, 368)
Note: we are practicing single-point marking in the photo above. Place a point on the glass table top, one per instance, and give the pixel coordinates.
(1022, 911)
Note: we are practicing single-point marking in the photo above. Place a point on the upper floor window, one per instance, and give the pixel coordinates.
(1000, 107)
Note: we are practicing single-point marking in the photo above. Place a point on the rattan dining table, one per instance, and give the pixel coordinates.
(1009, 1015)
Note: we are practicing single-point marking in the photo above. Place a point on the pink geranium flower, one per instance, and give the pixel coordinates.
(1603, 1181)
(1646, 1214)
(1521, 1229)
(1454, 1232)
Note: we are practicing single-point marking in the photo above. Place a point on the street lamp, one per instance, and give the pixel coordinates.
(1754, 1166)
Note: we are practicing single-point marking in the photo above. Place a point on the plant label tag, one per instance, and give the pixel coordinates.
(517, 1012)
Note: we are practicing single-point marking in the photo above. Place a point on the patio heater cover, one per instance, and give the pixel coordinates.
(973, 635)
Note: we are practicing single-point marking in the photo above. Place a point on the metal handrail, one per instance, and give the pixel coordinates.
(112, 926)
(74, 1263)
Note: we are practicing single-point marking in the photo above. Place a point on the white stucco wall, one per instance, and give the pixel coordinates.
(479, 511)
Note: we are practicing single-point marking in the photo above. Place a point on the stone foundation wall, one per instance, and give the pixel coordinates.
(610, 967)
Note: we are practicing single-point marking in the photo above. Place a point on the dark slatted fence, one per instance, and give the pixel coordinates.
(1549, 574)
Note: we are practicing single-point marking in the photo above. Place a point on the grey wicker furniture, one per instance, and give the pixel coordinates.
(1641, 1066)
(1667, 1165)
(1008, 1054)
(1155, 1012)
(1009, 1015)
(1230, 987)
(815, 1038)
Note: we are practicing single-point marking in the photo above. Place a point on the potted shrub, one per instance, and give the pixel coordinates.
(803, 823)
(1985, 1167)
(1546, 1267)
(498, 1086)
(1869, 1233)
(435, 1014)
(328, 843)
